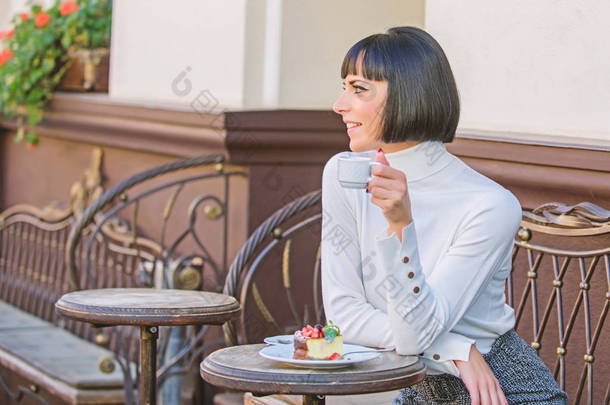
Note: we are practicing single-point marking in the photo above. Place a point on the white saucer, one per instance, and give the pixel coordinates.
(280, 340)
(284, 352)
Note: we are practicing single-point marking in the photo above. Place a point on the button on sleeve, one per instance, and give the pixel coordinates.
(426, 305)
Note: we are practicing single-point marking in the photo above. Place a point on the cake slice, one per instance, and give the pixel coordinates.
(318, 343)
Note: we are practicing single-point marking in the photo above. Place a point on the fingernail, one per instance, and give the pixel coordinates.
(379, 150)
(367, 189)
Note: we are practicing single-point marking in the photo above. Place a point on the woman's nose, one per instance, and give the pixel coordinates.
(341, 105)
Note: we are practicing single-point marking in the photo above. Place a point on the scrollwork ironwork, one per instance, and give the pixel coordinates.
(269, 235)
(100, 239)
(21, 392)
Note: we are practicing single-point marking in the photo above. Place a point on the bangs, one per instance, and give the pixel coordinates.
(364, 58)
(422, 101)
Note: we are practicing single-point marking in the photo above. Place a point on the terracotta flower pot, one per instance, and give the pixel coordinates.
(88, 71)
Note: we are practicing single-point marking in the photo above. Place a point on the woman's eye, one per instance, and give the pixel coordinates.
(357, 88)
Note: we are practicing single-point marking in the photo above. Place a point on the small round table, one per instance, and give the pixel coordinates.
(147, 308)
(242, 368)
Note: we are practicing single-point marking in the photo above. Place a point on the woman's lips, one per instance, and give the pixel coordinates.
(353, 128)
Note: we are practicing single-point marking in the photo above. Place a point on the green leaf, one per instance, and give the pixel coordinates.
(331, 331)
(31, 138)
(48, 64)
(34, 115)
(19, 135)
(36, 75)
(48, 38)
(66, 40)
(329, 334)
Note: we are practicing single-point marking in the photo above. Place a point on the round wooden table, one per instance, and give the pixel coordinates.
(147, 308)
(242, 368)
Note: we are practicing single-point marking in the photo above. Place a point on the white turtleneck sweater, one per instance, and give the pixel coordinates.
(439, 290)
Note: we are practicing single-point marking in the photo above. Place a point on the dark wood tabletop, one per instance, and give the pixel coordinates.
(147, 306)
(242, 368)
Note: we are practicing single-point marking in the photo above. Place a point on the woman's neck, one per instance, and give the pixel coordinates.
(395, 147)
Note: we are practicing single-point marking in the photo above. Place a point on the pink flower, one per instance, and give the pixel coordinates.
(5, 56)
(25, 17)
(68, 7)
(42, 19)
(8, 34)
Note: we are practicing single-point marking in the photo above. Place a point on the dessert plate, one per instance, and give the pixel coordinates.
(284, 352)
(280, 340)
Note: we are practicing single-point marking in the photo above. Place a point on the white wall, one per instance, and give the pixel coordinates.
(316, 35)
(536, 70)
(249, 54)
(154, 41)
(240, 54)
(538, 67)
(6, 13)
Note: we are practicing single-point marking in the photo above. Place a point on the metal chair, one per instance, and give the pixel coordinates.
(259, 261)
(561, 270)
(108, 248)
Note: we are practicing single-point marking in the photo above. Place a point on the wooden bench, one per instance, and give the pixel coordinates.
(42, 359)
(107, 239)
(559, 288)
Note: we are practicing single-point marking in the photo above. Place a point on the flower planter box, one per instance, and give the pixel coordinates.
(88, 71)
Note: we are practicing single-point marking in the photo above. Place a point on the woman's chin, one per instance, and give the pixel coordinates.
(356, 146)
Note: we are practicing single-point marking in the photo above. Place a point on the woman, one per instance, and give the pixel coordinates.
(419, 261)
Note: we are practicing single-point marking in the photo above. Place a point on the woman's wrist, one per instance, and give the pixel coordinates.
(397, 227)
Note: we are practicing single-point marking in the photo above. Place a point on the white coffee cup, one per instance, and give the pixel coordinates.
(354, 169)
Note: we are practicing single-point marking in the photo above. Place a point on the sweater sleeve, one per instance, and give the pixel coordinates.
(425, 308)
(420, 313)
(343, 292)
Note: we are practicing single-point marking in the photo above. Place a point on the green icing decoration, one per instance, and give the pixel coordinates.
(331, 331)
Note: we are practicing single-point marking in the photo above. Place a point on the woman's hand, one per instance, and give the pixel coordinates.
(480, 381)
(388, 190)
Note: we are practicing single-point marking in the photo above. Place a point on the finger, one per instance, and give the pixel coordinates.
(493, 393)
(386, 195)
(381, 157)
(488, 397)
(387, 205)
(388, 172)
(501, 397)
(475, 398)
(388, 184)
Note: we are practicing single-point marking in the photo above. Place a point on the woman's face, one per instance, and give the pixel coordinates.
(361, 106)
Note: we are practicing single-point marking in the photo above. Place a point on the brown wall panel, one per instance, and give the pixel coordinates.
(48, 172)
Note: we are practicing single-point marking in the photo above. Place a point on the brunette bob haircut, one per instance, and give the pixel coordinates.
(422, 102)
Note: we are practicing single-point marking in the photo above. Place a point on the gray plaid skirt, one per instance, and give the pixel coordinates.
(523, 377)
